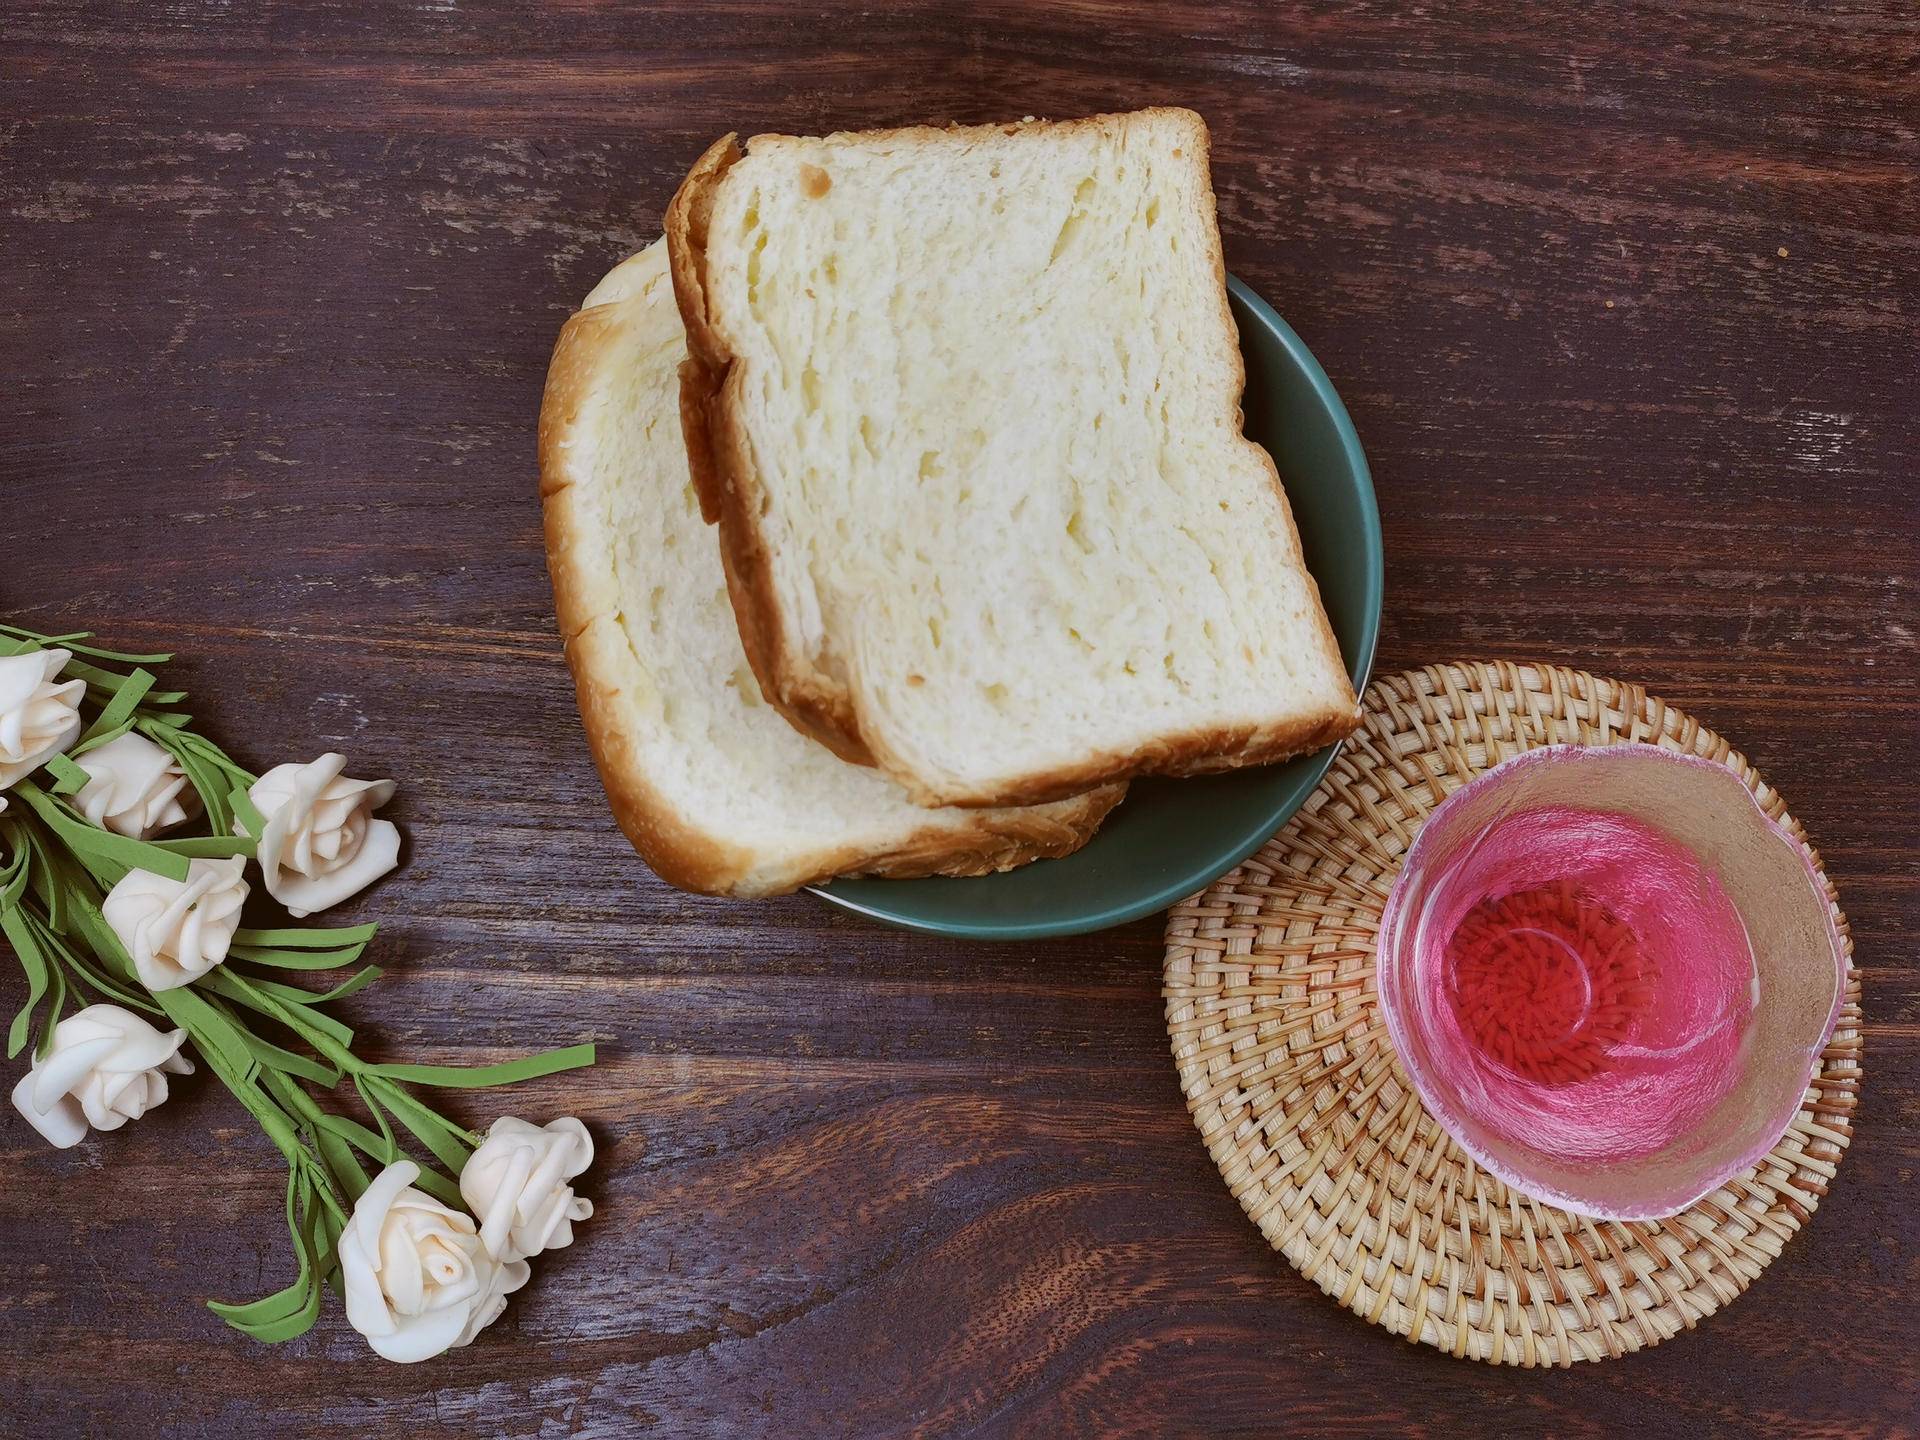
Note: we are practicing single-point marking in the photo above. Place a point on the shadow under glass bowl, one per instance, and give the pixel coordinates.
(1170, 838)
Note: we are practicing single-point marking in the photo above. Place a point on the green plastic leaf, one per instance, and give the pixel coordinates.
(283, 1302)
(338, 1176)
(207, 781)
(87, 923)
(217, 1037)
(56, 1002)
(508, 1072)
(292, 1311)
(118, 711)
(308, 1013)
(377, 1147)
(440, 1135)
(102, 683)
(72, 642)
(110, 857)
(215, 755)
(57, 879)
(379, 1113)
(214, 772)
(317, 1028)
(246, 815)
(86, 969)
(315, 937)
(207, 847)
(295, 959)
(348, 1173)
(15, 874)
(384, 1150)
(211, 771)
(317, 948)
(26, 949)
(273, 1057)
(68, 777)
(359, 980)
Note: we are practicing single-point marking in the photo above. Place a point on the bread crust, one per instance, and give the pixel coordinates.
(721, 460)
(822, 704)
(671, 842)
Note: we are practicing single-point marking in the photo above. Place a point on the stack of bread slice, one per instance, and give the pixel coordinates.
(898, 508)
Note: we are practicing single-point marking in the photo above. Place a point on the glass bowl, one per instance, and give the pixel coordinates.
(1608, 973)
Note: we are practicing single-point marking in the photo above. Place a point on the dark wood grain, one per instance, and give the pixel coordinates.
(1624, 303)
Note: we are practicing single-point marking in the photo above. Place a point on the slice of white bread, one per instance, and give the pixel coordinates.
(966, 405)
(717, 791)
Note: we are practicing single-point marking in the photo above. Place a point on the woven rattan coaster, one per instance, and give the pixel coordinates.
(1290, 1076)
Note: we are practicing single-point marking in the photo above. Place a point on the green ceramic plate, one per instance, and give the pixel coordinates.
(1173, 837)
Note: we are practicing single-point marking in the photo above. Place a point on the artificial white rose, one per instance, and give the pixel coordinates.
(39, 713)
(516, 1185)
(504, 1278)
(321, 842)
(135, 788)
(106, 1066)
(416, 1277)
(177, 930)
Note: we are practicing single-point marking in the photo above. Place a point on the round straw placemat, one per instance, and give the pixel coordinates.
(1287, 1068)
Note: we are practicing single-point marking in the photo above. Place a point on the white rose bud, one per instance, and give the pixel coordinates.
(321, 842)
(106, 1066)
(177, 930)
(135, 788)
(39, 715)
(515, 1184)
(417, 1279)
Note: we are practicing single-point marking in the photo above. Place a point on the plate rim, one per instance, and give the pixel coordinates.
(1360, 672)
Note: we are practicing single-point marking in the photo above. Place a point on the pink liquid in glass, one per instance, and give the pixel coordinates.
(1584, 981)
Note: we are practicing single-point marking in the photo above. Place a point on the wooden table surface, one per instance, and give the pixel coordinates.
(1623, 300)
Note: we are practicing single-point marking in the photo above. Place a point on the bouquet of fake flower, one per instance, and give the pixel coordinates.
(125, 842)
